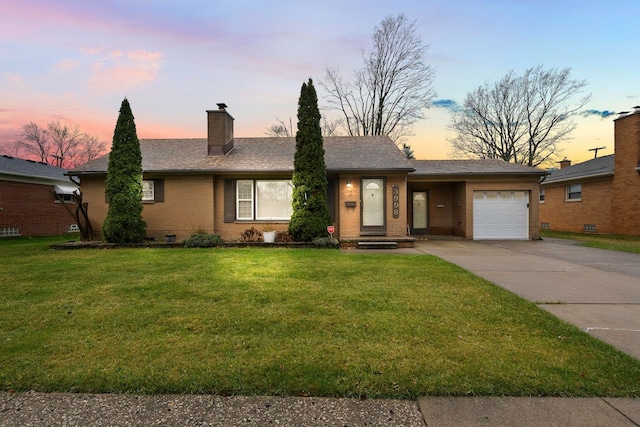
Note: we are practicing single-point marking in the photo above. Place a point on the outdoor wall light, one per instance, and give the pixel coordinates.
(348, 183)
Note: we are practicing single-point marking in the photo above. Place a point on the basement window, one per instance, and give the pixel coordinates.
(9, 231)
(590, 228)
(545, 225)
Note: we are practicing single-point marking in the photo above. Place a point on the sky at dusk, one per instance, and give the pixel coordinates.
(75, 60)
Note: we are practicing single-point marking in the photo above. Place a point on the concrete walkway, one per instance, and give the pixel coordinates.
(599, 291)
(71, 410)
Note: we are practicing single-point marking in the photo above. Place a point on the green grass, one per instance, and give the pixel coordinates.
(614, 242)
(282, 322)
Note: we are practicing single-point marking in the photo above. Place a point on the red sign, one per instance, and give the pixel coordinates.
(331, 229)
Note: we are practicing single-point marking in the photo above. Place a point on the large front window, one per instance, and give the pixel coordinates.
(264, 199)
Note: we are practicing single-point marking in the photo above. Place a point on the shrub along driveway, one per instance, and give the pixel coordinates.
(595, 289)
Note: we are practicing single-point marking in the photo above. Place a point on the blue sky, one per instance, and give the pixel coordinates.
(75, 60)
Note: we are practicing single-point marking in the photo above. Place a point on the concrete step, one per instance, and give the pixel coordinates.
(365, 244)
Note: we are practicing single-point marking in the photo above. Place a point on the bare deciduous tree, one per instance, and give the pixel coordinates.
(280, 129)
(35, 142)
(65, 140)
(519, 119)
(59, 144)
(329, 128)
(392, 90)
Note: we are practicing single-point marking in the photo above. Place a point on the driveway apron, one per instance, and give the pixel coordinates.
(595, 289)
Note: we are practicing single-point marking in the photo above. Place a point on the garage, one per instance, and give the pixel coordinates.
(500, 215)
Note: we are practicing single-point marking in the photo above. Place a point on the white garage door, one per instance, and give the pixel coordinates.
(500, 215)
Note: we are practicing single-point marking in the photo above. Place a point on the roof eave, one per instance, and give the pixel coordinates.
(579, 178)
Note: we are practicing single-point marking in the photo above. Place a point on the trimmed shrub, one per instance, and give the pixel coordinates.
(203, 241)
(326, 242)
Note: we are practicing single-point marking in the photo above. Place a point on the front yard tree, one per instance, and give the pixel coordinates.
(124, 223)
(520, 118)
(392, 90)
(310, 212)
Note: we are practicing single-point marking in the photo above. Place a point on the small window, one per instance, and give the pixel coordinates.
(9, 231)
(544, 225)
(148, 192)
(244, 200)
(574, 192)
(542, 195)
(590, 228)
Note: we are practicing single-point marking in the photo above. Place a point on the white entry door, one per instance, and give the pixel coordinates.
(500, 215)
(373, 205)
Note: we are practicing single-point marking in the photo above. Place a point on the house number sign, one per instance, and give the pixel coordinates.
(395, 193)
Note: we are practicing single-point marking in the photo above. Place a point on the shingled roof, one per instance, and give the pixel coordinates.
(30, 169)
(595, 168)
(471, 167)
(260, 155)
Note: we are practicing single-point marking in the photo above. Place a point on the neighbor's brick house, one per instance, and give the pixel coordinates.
(225, 185)
(601, 195)
(27, 205)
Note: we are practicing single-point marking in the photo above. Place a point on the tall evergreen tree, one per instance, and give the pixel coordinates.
(124, 223)
(310, 212)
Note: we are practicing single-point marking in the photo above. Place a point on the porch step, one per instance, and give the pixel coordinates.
(364, 244)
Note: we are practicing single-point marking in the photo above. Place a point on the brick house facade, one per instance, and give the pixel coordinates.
(608, 200)
(27, 205)
(225, 185)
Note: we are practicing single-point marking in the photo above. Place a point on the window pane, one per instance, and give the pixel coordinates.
(147, 190)
(244, 199)
(273, 199)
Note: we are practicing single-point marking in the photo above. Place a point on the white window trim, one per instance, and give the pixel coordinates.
(542, 196)
(567, 188)
(238, 200)
(255, 200)
(151, 183)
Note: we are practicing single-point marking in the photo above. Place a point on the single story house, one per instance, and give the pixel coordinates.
(601, 195)
(224, 185)
(27, 204)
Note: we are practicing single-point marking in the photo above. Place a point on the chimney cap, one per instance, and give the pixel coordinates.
(222, 106)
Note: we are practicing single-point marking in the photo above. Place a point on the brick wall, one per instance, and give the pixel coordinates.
(33, 208)
(187, 206)
(593, 208)
(625, 204)
(349, 217)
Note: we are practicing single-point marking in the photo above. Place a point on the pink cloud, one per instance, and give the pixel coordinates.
(66, 64)
(122, 70)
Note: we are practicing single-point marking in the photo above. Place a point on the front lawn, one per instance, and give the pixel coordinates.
(282, 322)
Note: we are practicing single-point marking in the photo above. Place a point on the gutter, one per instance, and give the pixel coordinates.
(582, 177)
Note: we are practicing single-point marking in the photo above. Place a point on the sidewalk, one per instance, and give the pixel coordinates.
(44, 409)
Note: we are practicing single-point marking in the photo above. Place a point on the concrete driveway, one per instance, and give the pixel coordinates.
(595, 289)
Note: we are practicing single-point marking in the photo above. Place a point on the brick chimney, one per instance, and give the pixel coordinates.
(219, 131)
(565, 163)
(627, 139)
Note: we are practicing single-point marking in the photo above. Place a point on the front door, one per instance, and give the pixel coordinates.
(373, 207)
(419, 209)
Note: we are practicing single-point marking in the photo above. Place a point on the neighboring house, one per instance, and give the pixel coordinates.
(225, 185)
(27, 205)
(601, 195)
